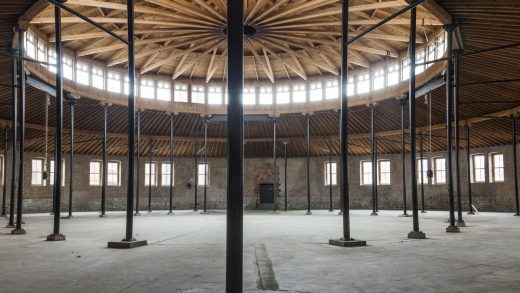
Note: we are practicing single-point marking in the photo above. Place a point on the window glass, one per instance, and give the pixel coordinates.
(299, 94)
(265, 96)
(51, 173)
(82, 75)
(215, 95)
(197, 94)
(479, 168)
(166, 173)
(431, 53)
(98, 78)
(202, 178)
(180, 93)
(332, 90)
(379, 79)
(419, 58)
(384, 172)
(67, 68)
(439, 165)
(440, 47)
(126, 86)
(316, 91)
(363, 84)
(113, 173)
(393, 74)
(37, 172)
(406, 69)
(366, 173)
(164, 92)
(95, 173)
(52, 60)
(422, 173)
(282, 94)
(149, 174)
(331, 173)
(497, 162)
(249, 96)
(42, 53)
(114, 82)
(30, 45)
(147, 89)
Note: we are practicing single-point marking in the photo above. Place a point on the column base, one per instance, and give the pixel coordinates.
(340, 214)
(204, 213)
(10, 226)
(170, 213)
(103, 215)
(452, 229)
(123, 244)
(374, 214)
(149, 211)
(416, 235)
(18, 231)
(56, 237)
(424, 212)
(137, 214)
(460, 224)
(331, 211)
(471, 213)
(347, 242)
(308, 213)
(405, 215)
(516, 215)
(66, 217)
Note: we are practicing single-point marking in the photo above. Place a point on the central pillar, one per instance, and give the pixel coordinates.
(72, 102)
(456, 111)
(206, 167)
(285, 175)
(373, 159)
(275, 178)
(308, 164)
(170, 212)
(104, 162)
(402, 102)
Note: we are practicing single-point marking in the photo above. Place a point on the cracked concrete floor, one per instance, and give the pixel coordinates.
(186, 253)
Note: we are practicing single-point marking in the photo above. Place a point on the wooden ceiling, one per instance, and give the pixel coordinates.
(483, 23)
(287, 39)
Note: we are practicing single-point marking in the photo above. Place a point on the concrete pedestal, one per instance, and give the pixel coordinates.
(416, 235)
(471, 213)
(347, 242)
(516, 215)
(424, 212)
(374, 214)
(18, 231)
(56, 237)
(170, 213)
(137, 214)
(460, 224)
(66, 218)
(103, 215)
(10, 226)
(308, 213)
(452, 229)
(127, 244)
(405, 215)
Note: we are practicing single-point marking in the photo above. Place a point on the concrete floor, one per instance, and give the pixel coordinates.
(186, 253)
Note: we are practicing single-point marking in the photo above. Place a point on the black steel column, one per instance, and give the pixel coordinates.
(285, 174)
(456, 110)
(415, 233)
(150, 154)
(308, 164)
(468, 167)
(330, 176)
(195, 208)
(104, 161)
(373, 159)
(449, 97)
(515, 169)
(14, 144)
(345, 240)
(402, 102)
(138, 164)
(58, 139)
(275, 178)
(71, 154)
(377, 174)
(21, 116)
(4, 173)
(171, 165)
(421, 169)
(206, 167)
(235, 148)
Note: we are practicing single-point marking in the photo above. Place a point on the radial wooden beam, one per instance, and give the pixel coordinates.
(266, 67)
(200, 56)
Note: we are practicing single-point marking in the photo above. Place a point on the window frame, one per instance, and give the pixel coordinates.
(493, 168)
(201, 182)
(99, 175)
(118, 174)
(172, 169)
(154, 173)
(368, 180)
(436, 170)
(380, 172)
(474, 169)
(51, 172)
(42, 181)
(334, 173)
(425, 163)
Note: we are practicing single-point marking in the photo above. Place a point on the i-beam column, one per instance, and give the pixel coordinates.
(468, 168)
(171, 166)
(72, 102)
(373, 159)
(456, 110)
(235, 147)
(285, 175)
(4, 173)
(14, 144)
(138, 164)
(275, 178)
(330, 176)
(452, 228)
(104, 162)
(421, 170)
(345, 240)
(402, 102)
(308, 164)
(195, 159)
(206, 167)
(515, 169)
(21, 116)
(415, 233)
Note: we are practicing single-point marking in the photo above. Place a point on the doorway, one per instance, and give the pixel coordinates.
(266, 193)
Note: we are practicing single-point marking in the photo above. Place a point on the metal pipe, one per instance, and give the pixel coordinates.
(131, 122)
(275, 178)
(456, 111)
(285, 174)
(235, 148)
(4, 173)
(138, 164)
(403, 156)
(195, 208)
(373, 159)
(449, 97)
(71, 155)
(171, 164)
(206, 167)
(21, 116)
(421, 169)
(309, 164)
(104, 161)
(330, 176)
(87, 19)
(150, 153)
(468, 168)
(14, 144)
(515, 169)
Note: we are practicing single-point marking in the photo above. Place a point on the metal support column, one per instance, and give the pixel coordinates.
(468, 168)
(71, 155)
(345, 240)
(330, 176)
(452, 228)
(456, 111)
(275, 178)
(235, 148)
(21, 139)
(196, 183)
(415, 233)
(421, 170)
(104, 168)
(150, 157)
(285, 175)
(206, 167)
(377, 173)
(138, 164)
(515, 169)
(171, 166)
(4, 173)
(14, 144)
(402, 102)
(308, 164)
(373, 159)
